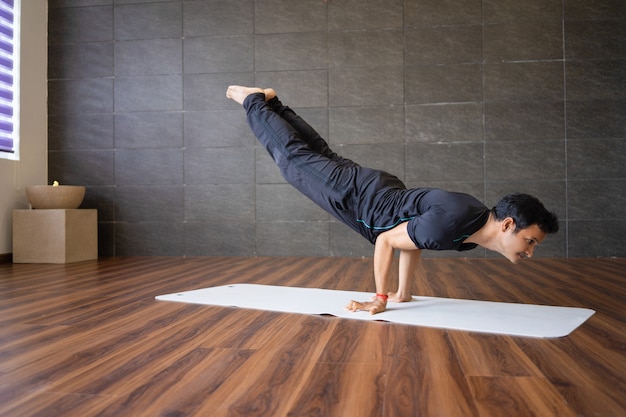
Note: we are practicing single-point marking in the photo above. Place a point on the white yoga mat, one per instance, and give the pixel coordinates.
(448, 313)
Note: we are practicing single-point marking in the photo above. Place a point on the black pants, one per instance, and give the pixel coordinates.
(306, 161)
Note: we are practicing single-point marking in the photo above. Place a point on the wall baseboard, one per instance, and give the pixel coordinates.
(6, 258)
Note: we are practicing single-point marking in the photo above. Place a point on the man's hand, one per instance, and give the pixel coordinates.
(396, 297)
(378, 305)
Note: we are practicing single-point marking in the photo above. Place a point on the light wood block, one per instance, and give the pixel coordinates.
(55, 236)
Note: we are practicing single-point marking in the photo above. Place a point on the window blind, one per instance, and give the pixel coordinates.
(8, 84)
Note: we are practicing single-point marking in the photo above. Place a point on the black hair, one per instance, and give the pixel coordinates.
(526, 210)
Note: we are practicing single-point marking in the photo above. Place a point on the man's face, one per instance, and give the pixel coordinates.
(518, 244)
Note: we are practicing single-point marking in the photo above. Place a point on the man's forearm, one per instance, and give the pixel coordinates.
(383, 257)
(408, 264)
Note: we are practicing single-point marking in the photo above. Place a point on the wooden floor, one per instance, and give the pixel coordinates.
(88, 339)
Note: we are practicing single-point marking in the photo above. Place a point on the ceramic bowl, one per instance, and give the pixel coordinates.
(55, 197)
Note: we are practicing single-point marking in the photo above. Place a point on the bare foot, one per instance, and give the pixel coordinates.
(269, 93)
(239, 93)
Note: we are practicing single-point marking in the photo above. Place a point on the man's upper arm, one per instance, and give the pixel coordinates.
(398, 237)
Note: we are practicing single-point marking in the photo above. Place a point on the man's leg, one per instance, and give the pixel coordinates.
(307, 133)
(325, 181)
(283, 142)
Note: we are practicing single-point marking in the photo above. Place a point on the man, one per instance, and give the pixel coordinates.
(377, 205)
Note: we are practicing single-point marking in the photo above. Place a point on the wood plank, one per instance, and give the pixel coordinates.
(55, 404)
(355, 341)
(342, 389)
(243, 329)
(271, 379)
(491, 355)
(424, 376)
(519, 396)
(90, 339)
(123, 364)
(590, 384)
(349, 377)
(180, 388)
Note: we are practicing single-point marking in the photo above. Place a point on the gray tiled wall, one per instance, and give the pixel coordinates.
(480, 96)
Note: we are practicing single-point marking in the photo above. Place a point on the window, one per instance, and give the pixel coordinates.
(9, 78)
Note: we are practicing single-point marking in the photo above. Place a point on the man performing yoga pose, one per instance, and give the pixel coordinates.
(377, 205)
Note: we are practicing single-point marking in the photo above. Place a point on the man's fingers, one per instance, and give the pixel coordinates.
(355, 306)
(372, 307)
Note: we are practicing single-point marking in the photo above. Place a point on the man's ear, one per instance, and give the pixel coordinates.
(508, 224)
